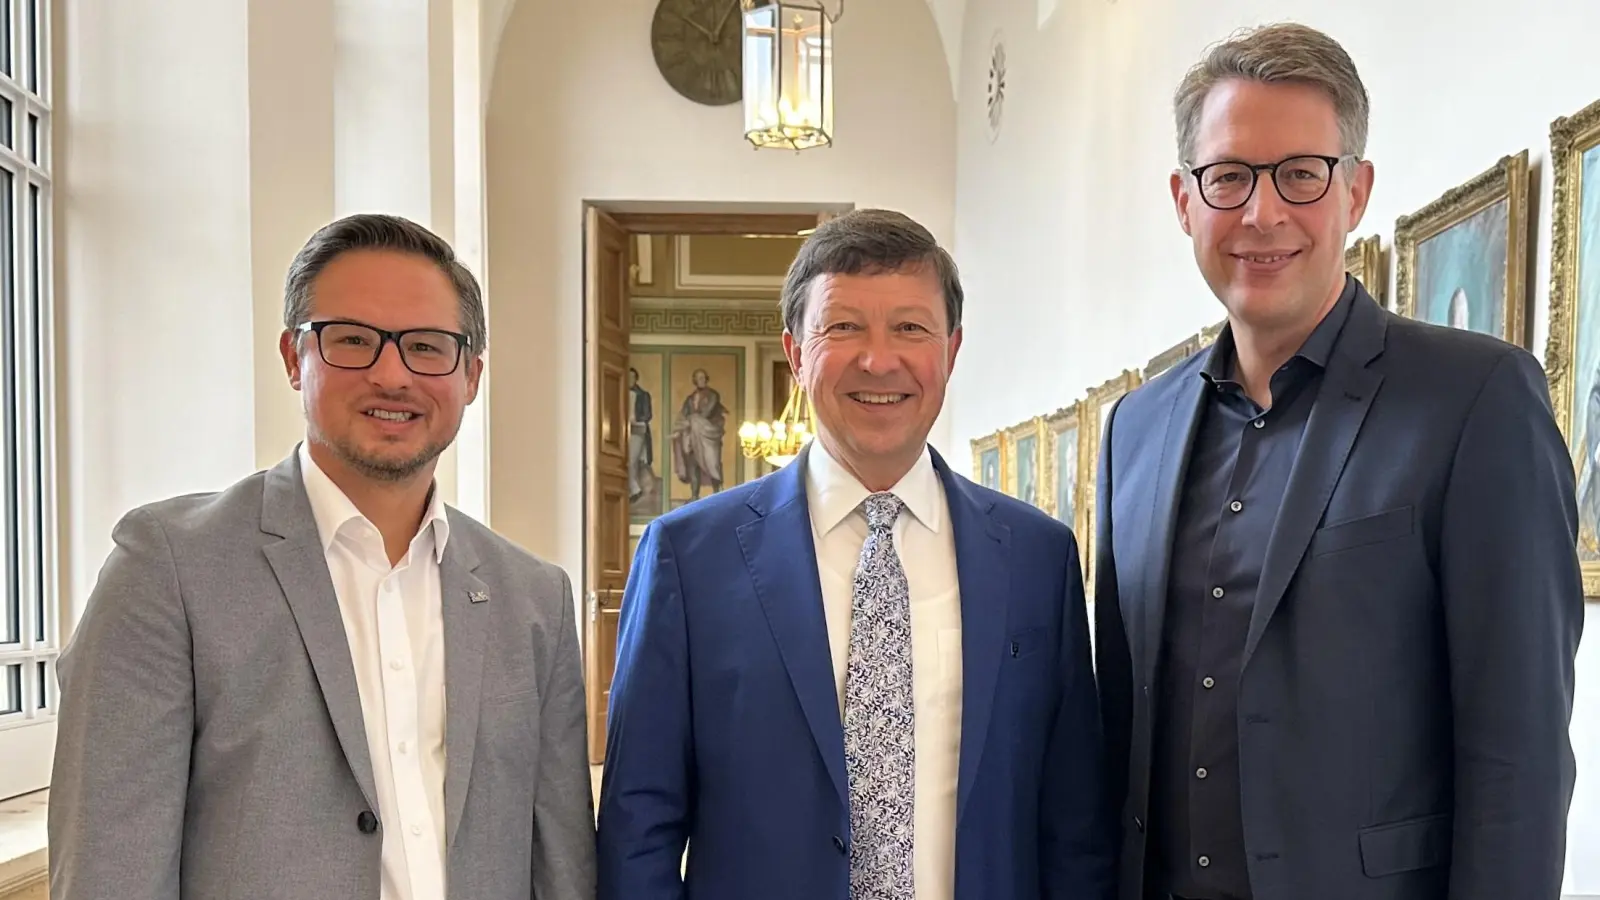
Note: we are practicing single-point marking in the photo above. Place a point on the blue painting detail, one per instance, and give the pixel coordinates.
(989, 468)
(1028, 469)
(1461, 273)
(1586, 357)
(1067, 476)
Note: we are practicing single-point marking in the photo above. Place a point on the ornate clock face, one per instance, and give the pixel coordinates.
(697, 48)
(996, 99)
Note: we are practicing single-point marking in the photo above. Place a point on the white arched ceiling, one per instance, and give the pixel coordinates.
(948, 15)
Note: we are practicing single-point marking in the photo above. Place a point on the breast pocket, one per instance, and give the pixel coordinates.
(1362, 531)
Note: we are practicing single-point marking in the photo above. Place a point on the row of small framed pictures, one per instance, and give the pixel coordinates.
(1463, 260)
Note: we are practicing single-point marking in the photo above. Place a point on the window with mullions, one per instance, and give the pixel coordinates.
(29, 604)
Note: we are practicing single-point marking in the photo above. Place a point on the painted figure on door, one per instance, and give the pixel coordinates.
(697, 437)
(641, 452)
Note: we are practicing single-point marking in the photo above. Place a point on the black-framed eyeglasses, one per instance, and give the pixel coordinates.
(356, 345)
(1229, 184)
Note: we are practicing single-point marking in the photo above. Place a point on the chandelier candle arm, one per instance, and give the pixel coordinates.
(781, 440)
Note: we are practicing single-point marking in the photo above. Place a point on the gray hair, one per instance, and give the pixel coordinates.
(867, 241)
(1276, 54)
(373, 231)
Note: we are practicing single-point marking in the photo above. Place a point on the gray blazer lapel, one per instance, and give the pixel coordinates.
(302, 570)
(467, 605)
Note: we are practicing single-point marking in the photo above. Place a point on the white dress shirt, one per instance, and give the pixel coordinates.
(394, 623)
(926, 545)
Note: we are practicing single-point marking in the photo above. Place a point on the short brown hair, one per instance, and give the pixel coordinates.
(1275, 54)
(867, 241)
(373, 231)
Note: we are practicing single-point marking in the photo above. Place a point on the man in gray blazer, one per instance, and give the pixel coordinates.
(321, 682)
(1337, 590)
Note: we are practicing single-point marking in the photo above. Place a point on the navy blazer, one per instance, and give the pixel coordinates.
(1407, 678)
(725, 732)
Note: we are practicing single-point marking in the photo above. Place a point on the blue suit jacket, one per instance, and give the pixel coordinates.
(725, 733)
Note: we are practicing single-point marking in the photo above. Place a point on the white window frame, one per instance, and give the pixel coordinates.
(29, 592)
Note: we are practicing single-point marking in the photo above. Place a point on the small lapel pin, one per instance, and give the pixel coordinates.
(478, 596)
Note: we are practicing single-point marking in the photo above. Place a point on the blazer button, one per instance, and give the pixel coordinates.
(838, 843)
(367, 822)
(1139, 824)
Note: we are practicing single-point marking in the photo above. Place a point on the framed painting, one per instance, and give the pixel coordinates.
(1572, 355)
(987, 463)
(1171, 356)
(1463, 258)
(1024, 468)
(1064, 471)
(1364, 260)
(1096, 409)
(686, 403)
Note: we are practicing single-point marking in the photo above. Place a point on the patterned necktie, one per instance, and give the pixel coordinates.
(879, 752)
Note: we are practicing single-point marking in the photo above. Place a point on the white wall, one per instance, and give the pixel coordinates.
(578, 111)
(153, 258)
(1064, 227)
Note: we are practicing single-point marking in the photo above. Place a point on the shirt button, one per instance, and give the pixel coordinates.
(1236, 506)
(1204, 861)
(1209, 682)
(395, 665)
(1200, 772)
(416, 829)
(1216, 592)
(1260, 423)
(402, 746)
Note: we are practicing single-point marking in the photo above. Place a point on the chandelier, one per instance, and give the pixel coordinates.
(779, 441)
(788, 73)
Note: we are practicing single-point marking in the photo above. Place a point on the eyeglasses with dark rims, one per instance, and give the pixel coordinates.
(1229, 184)
(356, 345)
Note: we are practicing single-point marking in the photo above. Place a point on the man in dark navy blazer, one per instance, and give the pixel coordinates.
(863, 677)
(1337, 595)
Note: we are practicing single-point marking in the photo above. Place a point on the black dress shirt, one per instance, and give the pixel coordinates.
(1237, 473)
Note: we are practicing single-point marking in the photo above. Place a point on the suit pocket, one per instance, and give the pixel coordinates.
(1373, 529)
(1026, 642)
(1405, 846)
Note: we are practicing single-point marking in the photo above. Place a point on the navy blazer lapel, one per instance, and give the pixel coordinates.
(782, 559)
(1343, 399)
(302, 569)
(1182, 417)
(983, 573)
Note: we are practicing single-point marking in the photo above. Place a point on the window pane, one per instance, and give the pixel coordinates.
(33, 137)
(11, 696)
(44, 686)
(5, 42)
(35, 404)
(11, 620)
(31, 24)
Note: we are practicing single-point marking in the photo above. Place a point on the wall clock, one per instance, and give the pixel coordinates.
(996, 100)
(696, 44)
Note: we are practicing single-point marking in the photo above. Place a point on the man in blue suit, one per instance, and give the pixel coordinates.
(863, 677)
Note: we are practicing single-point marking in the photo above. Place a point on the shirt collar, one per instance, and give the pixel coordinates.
(833, 493)
(333, 510)
(1318, 346)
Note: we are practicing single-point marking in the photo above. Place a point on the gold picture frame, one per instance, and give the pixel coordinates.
(1023, 457)
(1571, 140)
(1506, 181)
(1171, 356)
(982, 448)
(1365, 260)
(1095, 409)
(1064, 432)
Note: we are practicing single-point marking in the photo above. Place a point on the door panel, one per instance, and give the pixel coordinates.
(606, 551)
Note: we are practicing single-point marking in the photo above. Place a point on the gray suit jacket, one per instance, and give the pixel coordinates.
(211, 742)
(1408, 672)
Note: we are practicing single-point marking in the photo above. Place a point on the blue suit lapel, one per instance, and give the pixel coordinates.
(983, 571)
(1343, 399)
(782, 559)
(1182, 415)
